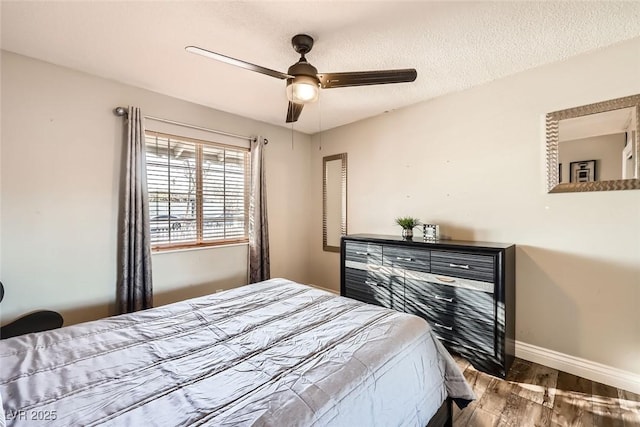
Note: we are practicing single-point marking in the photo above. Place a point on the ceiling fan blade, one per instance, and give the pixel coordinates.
(364, 78)
(293, 112)
(237, 62)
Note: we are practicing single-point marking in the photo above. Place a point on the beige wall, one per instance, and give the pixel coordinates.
(473, 162)
(61, 153)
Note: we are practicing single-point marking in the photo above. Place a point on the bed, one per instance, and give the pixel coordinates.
(275, 353)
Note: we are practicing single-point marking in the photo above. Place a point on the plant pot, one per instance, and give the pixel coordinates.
(407, 233)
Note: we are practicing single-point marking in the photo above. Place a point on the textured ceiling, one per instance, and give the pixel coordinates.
(453, 46)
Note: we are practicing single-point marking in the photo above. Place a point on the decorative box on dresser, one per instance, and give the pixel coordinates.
(465, 290)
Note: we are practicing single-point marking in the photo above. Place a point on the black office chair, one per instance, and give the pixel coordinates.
(38, 321)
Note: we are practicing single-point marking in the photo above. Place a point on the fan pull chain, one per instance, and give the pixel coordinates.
(319, 127)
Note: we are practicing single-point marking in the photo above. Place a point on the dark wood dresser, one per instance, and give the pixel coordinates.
(465, 290)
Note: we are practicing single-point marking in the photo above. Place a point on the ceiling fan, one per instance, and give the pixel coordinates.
(303, 79)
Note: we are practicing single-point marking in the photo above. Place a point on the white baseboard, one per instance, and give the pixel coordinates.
(581, 367)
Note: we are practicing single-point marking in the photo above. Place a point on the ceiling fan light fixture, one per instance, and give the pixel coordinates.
(303, 89)
(304, 82)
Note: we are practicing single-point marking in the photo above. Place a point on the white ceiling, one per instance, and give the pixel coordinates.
(453, 46)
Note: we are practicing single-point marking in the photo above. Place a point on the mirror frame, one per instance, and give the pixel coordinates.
(343, 186)
(552, 133)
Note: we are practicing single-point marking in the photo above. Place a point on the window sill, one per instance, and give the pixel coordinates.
(195, 248)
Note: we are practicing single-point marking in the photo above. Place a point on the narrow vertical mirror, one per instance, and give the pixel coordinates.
(334, 201)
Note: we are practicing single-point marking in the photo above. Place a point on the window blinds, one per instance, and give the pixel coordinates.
(198, 191)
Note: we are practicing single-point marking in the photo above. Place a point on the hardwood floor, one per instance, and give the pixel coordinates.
(535, 395)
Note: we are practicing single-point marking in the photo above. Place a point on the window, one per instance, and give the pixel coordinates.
(198, 192)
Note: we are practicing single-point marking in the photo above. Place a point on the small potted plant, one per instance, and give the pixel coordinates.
(408, 224)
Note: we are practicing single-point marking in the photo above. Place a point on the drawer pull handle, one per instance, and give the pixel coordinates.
(371, 283)
(463, 266)
(399, 258)
(362, 253)
(438, 297)
(448, 328)
(445, 279)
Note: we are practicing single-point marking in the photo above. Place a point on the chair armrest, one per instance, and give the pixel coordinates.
(38, 321)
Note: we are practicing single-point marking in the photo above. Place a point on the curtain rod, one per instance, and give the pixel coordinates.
(121, 112)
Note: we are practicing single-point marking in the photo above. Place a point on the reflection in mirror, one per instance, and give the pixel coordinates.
(334, 201)
(594, 147)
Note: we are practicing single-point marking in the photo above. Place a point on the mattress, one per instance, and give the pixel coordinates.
(275, 353)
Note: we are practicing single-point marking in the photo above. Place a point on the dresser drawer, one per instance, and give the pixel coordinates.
(460, 330)
(375, 287)
(450, 300)
(407, 258)
(465, 265)
(368, 253)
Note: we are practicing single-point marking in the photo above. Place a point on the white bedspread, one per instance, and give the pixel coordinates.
(275, 353)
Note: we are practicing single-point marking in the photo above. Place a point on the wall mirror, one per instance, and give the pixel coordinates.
(594, 147)
(334, 201)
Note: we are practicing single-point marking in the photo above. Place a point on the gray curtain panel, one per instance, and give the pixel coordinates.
(259, 264)
(134, 252)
